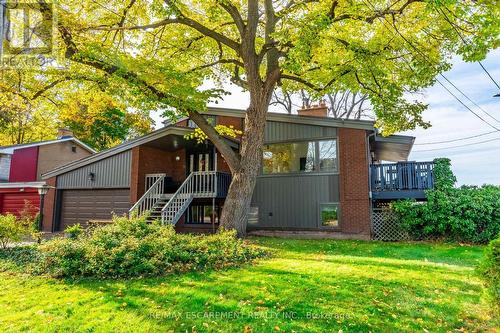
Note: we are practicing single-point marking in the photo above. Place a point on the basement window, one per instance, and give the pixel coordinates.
(203, 214)
(329, 215)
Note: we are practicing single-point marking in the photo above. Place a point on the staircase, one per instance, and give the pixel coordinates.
(151, 199)
(200, 184)
(155, 211)
(169, 207)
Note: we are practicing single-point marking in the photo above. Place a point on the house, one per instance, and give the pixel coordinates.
(318, 174)
(22, 165)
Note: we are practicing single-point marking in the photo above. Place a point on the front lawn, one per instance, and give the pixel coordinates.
(307, 286)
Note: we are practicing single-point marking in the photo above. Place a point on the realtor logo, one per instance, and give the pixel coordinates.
(26, 32)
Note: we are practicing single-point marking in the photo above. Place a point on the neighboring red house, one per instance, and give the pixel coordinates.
(21, 167)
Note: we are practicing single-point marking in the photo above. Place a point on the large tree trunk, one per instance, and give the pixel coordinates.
(237, 204)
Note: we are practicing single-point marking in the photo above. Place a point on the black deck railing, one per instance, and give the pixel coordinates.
(403, 179)
(223, 182)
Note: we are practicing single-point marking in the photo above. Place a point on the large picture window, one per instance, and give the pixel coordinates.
(294, 157)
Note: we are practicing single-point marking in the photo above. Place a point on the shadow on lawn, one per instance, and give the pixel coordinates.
(367, 302)
(447, 253)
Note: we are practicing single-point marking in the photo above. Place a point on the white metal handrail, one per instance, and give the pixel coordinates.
(150, 197)
(199, 184)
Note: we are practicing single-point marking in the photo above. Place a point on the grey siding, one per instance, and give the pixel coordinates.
(112, 172)
(277, 131)
(293, 201)
(4, 167)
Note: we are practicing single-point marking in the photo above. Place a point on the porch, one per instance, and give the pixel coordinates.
(172, 176)
(392, 181)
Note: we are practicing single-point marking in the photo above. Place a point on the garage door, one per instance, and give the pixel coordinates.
(79, 206)
(15, 203)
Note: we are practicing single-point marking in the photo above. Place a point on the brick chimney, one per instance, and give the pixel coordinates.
(314, 110)
(63, 133)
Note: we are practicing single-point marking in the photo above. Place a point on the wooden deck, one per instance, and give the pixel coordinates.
(403, 180)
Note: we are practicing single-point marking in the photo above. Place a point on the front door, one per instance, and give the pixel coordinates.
(200, 161)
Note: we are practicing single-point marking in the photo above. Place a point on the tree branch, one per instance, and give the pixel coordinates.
(235, 15)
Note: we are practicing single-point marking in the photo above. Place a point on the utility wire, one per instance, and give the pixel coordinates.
(467, 43)
(425, 59)
(488, 73)
(453, 140)
(470, 100)
(459, 146)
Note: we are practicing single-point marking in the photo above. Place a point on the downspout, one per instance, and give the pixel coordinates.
(370, 196)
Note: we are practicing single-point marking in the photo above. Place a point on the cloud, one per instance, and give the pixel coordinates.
(473, 164)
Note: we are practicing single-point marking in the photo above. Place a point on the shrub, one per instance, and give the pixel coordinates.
(489, 270)
(74, 231)
(10, 230)
(465, 214)
(132, 247)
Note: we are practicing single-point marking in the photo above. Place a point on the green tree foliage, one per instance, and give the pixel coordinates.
(464, 214)
(10, 230)
(156, 55)
(100, 121)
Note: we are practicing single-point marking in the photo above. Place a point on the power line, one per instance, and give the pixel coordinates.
(425, 59)
(488, 73)
(459, 146)
(467, 43)
(454, 140)
(467, 107)
(470, 100)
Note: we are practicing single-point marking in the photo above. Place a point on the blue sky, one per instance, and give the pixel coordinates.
(474, 164)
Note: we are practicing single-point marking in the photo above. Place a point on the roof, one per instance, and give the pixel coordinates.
(169, 130)
(10, 149)
(296, 119)
(393, 148)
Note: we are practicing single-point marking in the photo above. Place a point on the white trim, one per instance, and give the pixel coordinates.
(117, 149)
(22, 185)
(10, 149)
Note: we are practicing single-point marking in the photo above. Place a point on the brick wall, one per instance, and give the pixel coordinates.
(237, 123)
(147, 160)
(49, 206)
(354, 189)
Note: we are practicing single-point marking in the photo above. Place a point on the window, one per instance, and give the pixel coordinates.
(203, 214)
(309, 156)
(329, 215)
(210, 120)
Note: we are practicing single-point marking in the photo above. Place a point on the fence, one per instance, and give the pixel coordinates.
(386, 226)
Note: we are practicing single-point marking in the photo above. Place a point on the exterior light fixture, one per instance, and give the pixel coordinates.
(177, 158)
(91, 176)
(42, 190)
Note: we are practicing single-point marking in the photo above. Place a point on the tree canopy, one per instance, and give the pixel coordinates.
(155, 54)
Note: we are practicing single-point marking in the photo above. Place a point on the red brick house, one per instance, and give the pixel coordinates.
(21, 167)
(318, 174)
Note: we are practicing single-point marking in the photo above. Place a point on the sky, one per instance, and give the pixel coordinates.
(474, 164)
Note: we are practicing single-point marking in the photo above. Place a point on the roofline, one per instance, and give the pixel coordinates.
(116, 150)
(10, 149)
(403, 139)
(296, 119)
(22, 185)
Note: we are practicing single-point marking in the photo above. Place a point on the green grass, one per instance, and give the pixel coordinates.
(306, 286)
